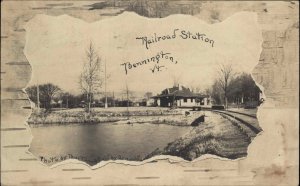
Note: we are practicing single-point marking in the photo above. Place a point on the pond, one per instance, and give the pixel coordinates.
(93, 143)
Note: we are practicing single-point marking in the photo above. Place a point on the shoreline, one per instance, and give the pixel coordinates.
(118, 122)
(104, 123)
(174, 117)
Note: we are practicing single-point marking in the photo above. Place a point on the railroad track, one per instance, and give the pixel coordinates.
(252, 116)
(246, 122)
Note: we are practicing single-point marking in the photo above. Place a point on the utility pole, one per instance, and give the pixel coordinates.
(67, 101)
(114, 104)
(127, 101)
(38, 97)
(105, 84)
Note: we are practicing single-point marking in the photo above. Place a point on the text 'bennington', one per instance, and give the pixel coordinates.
(156, 59)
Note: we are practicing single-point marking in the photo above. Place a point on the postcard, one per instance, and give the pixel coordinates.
(149, 92)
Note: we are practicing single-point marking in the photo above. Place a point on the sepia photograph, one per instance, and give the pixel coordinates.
(108, 107)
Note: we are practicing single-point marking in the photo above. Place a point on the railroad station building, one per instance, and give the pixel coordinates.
(180, 96)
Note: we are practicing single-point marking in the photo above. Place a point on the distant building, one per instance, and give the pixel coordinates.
(140, 102)
(150, 102)
(180, 96)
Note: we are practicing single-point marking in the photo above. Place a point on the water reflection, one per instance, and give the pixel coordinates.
(93, 143)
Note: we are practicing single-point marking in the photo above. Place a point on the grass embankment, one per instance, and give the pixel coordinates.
(154, 115)
(215, 136)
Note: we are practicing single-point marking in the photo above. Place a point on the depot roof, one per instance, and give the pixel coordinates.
(181, 92)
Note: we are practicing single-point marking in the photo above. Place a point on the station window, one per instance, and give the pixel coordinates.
(185, 100)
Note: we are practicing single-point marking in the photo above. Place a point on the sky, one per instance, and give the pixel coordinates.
(56, 49)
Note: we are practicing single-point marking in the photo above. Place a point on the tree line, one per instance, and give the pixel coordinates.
(230, 87)
(50, 96)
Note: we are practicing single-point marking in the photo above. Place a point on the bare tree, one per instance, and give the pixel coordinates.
(90, 79)
(225, 75)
